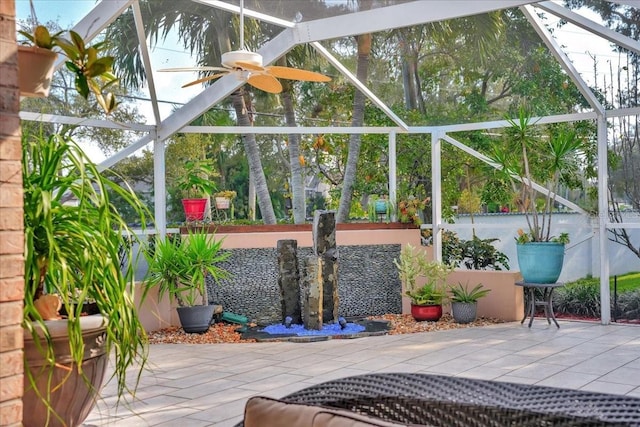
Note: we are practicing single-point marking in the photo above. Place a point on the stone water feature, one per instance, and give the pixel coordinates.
(309, 291)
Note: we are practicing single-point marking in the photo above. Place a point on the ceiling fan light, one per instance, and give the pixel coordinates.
(242, 75)
(229, 59)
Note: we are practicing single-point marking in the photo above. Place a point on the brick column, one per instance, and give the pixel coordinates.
(11, 225)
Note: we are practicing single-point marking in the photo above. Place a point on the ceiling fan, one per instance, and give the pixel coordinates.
(247, 66)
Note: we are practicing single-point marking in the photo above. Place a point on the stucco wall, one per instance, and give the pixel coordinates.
(363, 289)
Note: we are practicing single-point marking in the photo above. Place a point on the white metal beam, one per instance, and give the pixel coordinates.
(144, 51)
(603, 218)
(218, 4)
(591, 26)
(127, 151)
(276, 130)
(159, 187)
(82, 121)
(621, 112)
(436, 194)
(284, 130)
(562, 57)
(396, 16)
(539, 188)
(360, 85)
(393, 180)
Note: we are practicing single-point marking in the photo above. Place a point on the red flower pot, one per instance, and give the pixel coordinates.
(194, 209)
(432, 313)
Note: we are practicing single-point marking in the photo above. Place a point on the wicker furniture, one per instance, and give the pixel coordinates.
(546, 302)
(434, 400)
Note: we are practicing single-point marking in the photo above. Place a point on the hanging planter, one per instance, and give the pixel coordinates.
(222, 203)
(35, 67)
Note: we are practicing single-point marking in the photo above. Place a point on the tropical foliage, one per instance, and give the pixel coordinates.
(178, 267)
(462, 293)
(78, 247)
(435, 77)
(92, 73)
(423, 280)
(474, 254)
(557, 158)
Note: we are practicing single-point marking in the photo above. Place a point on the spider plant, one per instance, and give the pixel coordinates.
(76, 244)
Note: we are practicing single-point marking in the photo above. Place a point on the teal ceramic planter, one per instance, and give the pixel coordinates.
(381, 206)
(540, 262)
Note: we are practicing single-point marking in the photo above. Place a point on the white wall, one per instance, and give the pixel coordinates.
(582, 255)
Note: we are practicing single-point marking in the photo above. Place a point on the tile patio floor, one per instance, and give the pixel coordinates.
(208, 385)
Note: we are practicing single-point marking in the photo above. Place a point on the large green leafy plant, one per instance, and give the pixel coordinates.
(75, 245)
(413, 267)
(178, 267)
(92, 72)
(529, 157)
(196, 181)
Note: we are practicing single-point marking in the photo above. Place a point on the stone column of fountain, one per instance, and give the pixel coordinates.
(289, 280)
(324, 248)
(319, 282)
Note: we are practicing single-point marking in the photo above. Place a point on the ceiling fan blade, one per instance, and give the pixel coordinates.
(193, 69)
(204, 79)
(249, 66)
(265, 82)
(296, 74)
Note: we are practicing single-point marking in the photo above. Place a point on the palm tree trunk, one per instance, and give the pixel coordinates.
(253, 156)
(297, 181)
(362, 71)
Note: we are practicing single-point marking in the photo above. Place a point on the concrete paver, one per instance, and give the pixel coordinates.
(208, 384)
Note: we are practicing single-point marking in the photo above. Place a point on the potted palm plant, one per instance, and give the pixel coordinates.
(423, 282)
(196, 185)
(556, 159)
(464, 302)
(76, 250)
(92, 72)
(178, 267)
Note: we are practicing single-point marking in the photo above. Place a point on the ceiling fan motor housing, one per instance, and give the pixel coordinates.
(230, 59)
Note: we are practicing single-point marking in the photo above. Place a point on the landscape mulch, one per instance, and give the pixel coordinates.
(228, 333)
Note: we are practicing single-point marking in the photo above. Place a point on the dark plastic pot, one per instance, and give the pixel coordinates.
(196, 319)
(464, 312)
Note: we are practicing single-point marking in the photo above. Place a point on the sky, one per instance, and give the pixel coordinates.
(581, 46)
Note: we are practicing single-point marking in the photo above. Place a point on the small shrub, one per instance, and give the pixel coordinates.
(580, 299)
(474, 254)
(628, 305)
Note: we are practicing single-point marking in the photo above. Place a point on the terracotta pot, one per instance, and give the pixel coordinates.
(194, 209)
(35, 73)
(70, 397)
(431, 313)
